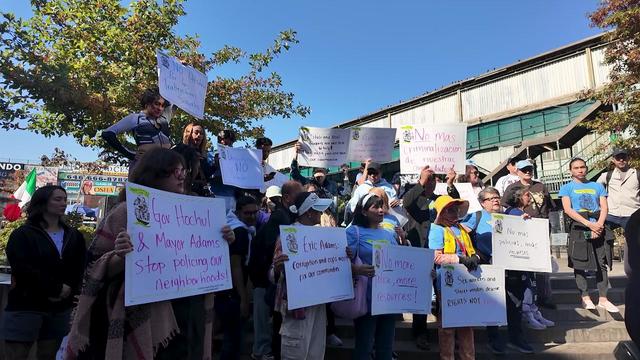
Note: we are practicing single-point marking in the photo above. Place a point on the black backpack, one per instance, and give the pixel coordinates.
(610, 174)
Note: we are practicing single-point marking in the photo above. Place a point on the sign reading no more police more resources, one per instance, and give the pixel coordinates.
(318, 270)
(475, 298)
(178, 249)
(403, 280)
(520, 244)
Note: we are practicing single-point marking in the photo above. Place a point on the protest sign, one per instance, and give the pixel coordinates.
(403, 280)
(466, 193)
(182, 85)
(520, 244)
(323, 147)
(441, 147)
(278, 180)
(474, 298)
(241, 167)
(371, 143)
(178, 246)
(318, 270)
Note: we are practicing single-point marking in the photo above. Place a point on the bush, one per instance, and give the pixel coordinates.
(4, 237)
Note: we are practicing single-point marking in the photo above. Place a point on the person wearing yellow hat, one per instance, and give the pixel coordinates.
(452, 245)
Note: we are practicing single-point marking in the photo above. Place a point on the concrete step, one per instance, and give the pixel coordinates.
(564, 332)
(615, 295)
(408, 351)
(566, 312)
(568, 282)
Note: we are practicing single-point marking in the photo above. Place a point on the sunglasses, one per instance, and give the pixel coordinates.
(493, 198)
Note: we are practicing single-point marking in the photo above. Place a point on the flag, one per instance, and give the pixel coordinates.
(26, 190)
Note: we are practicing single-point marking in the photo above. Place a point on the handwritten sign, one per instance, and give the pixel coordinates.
(402, 283)
(278, 180)
(474, 298)
(520, 244)
(318, 270)
(182, 85)
(441, 147)
(466, 193)
(241, 167)
(323, 147)
(178, 246)
(371, 143)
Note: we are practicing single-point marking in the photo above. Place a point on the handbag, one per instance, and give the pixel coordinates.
(354, 308)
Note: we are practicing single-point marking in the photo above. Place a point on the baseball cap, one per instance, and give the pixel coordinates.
(273, 191)
(306, 200)
(523, 164)
(618, 151)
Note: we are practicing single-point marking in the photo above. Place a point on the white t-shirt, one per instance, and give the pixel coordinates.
(503, 183)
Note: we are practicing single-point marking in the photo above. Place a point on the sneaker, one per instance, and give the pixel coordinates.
(530, 321)
(394, 356)
(495, 348)
(608, 305)
(588, 304)
(538, 316)
(521, 346)
(334, 340)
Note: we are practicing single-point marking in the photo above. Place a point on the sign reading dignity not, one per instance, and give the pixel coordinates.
(178, 246)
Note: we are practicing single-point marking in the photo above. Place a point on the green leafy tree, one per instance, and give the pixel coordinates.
(622, 20)
(77, 66)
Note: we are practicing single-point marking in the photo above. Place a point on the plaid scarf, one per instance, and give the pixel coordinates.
(148, 326)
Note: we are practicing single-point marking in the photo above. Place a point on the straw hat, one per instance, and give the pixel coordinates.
(444, 201)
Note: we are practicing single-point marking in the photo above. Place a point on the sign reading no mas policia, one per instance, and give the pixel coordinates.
(178, 246)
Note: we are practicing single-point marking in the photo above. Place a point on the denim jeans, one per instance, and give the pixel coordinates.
(378, 331)
(261, 323)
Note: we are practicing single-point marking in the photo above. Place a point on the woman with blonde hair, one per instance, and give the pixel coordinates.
(195, 136)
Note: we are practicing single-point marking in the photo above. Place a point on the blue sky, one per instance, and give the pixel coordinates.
(356, 57)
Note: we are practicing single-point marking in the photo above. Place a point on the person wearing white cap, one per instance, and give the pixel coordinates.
(303, 331)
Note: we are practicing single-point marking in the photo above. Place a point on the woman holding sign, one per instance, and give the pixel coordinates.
(363, 233)
(452, 245)
(303, 331)
(102, 328)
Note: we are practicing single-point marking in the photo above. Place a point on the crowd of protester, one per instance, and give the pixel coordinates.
(49, 258)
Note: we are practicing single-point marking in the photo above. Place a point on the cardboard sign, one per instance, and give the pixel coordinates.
(178, 246)
(182, 85)
(371, 143)
(323, 147)
(403, 280)
(466, 193)
(472, 298)
(441, 147)
(241, 167)
(520, 244)
(318, 270)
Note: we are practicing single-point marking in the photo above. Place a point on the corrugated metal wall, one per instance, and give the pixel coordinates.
(556, 79)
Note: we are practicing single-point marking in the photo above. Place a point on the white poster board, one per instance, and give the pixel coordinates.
(466, 193)
(318, 270)
(178, 246)
(442, 147)
(241, 167)
(403, 280)
(371, 143)
(323, 147)
(278, 180)
(472, 298)
(182, 85)
(520, 244)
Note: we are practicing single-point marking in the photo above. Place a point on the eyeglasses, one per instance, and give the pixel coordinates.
(179, 172)
(491, 198)
(474, 173)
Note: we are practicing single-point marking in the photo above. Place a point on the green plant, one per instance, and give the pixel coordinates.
(4, 237)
